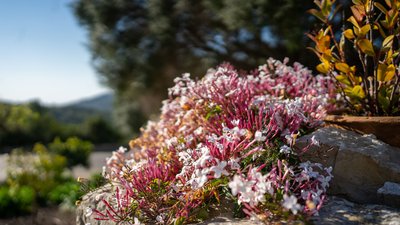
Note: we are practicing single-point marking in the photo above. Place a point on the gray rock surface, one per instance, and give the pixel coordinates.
(336, 211)
(340, 211)
(361, 163)
(93, 200)
(390, 194)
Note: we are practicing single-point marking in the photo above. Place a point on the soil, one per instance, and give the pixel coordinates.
(43, 216)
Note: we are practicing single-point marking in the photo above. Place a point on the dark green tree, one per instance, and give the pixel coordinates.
(139, 46)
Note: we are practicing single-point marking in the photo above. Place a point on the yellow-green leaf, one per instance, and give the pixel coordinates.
(386, 73)
(342, 67)
(353, 21)
(323, 68)
(381, 72)
(380, 7)
(387, 43)
(366, 47)
(364, 30)
(389, 3)
(317, 14)
(349, 34)
(390, 71)
(343, 79)
(358, 91)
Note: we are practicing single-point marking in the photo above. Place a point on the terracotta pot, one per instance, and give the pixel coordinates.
(384, 128)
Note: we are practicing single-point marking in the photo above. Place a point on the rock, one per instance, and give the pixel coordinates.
(390, 194)
(340, 211)
(336, 211)
(93, 200)
(361, 163)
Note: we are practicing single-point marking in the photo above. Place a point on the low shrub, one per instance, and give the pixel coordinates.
(65, 193)
(75, 150)
(16, 201)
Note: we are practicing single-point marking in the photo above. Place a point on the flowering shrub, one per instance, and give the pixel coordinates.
(228, 134)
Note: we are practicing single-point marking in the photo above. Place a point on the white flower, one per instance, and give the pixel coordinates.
(198, 131)
(235, 122)
(233, 163)
(199, 178)
(314, 141)
(89, 212)
(171, 142)
(259, 136)
(285, 149)
(160, 218)
(236, 185)
(122, 150)
(219, 169)
(136, 221)
(290, 203)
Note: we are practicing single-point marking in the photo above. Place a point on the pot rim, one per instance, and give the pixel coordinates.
(362, 119)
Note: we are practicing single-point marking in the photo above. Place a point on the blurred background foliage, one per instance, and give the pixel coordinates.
(138, 46)
(26, 124)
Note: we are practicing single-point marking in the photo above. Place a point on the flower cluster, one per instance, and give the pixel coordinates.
(227, 131)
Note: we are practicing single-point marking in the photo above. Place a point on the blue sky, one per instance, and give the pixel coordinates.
(43, 54)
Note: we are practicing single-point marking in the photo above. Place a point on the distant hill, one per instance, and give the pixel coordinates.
(78, 112)
(102, 103)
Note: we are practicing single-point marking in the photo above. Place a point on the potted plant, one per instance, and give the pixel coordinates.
(363, 56)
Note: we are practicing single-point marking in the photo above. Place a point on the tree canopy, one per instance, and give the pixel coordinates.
(139, 46)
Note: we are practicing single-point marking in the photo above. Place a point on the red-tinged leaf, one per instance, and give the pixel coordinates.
(342, 67)
(358, 12)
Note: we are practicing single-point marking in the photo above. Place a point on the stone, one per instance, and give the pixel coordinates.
(390, 194)
(338, 210)
(93, 200)
(361, 163)
(335, 211)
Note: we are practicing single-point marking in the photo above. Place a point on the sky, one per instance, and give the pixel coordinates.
(43, 54)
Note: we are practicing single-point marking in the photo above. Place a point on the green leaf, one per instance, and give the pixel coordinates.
(383, 98)
(317, 14)
(366, 47)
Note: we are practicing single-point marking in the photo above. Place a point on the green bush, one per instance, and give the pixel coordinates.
(23, 198)
(16, 201)
(67, 193)
(75, 150)
(5, 202)
(40, 170)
